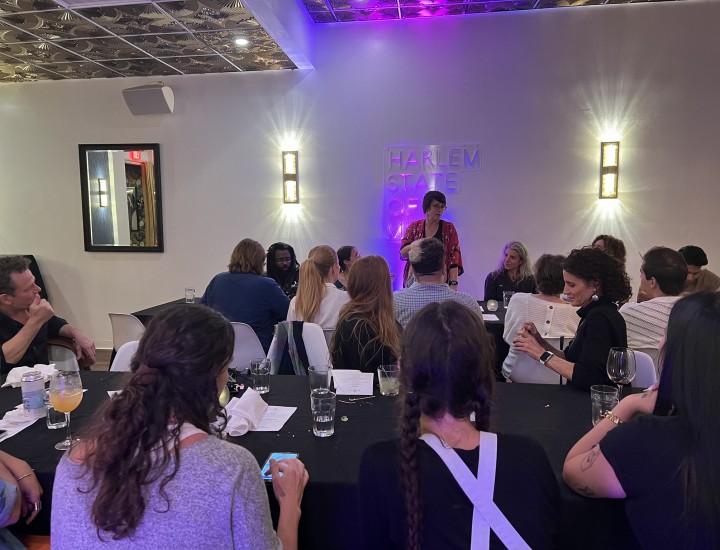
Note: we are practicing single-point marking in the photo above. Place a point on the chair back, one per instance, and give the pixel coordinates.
(125, 328)
(654, 354)
(645, 373)
(247, 347)
(329, 332)
(124, 356)
(63, 357)
(529, 371)
(315, 343)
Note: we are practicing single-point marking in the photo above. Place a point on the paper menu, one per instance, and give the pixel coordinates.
(353, 382)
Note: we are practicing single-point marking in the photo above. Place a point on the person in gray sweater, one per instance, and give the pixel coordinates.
(148, 472)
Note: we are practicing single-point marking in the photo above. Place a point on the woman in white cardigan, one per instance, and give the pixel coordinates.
(552, 316)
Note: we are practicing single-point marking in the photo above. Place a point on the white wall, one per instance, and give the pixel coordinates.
(537, 89)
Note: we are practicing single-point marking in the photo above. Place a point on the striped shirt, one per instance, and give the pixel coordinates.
(647, 321)
(408, 301)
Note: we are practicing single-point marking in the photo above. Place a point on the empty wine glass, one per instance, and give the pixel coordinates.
(621, 367)
(66, 392)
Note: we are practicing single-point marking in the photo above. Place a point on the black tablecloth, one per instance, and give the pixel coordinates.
(555, 416)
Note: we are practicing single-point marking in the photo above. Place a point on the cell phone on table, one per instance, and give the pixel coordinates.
(277, 456)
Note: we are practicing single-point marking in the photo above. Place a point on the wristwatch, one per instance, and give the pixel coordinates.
(452, 283)
(546, 356)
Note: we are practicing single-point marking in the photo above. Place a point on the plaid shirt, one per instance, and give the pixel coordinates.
(412, 299)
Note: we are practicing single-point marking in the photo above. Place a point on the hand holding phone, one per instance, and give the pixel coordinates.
(277, 456)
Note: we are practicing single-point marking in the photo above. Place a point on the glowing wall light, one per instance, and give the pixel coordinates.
(291, 190)
(102, 192)
(609, 166)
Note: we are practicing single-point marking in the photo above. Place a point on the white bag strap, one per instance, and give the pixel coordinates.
(486, 514)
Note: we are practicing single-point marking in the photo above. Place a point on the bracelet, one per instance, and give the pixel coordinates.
(612, 417)
(26, 475)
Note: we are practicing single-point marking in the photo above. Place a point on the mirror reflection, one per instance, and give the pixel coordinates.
(121, 197)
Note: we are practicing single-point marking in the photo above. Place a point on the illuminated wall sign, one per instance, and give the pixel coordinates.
(410, 172)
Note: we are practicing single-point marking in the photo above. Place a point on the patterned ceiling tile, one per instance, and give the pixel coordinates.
(53, 25)
(323, 17)
(201, 64)
(495, 6)
(210, 15)
(367, 15)
(11, 71)
(224, 43)
(132, 19)
(12, 6)
(252, 61)
(38, 52)
(98, 49)
(170, 45)
(315, 5)
(9, 35)
(433, 11)
(139, 67)
(79, 70)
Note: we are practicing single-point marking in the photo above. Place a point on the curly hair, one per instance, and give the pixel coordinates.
(134, 440)
(592, 265)
(272, 270)
(447, 358)
(613, 246)
(8, 266)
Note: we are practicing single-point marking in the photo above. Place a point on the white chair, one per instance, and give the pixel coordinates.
(124, 355)
(654, 354)
(315, 346)
(529, 371)
(64, 358)
(125, 328)
(328, 332)
(247, 347)
(645, 373)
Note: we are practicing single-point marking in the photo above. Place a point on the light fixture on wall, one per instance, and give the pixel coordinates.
(609, 166)
(291, 190)
(102, 192)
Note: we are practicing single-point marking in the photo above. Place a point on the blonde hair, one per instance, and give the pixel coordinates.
(525, 269)
(311, 287)
(248, 257)
(371, 303)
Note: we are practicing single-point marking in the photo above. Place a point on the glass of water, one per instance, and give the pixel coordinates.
(260, 373)
(322, 402)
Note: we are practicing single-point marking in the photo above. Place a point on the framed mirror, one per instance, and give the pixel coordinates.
(121, 199)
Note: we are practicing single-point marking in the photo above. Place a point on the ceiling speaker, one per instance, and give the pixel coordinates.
(151, 99)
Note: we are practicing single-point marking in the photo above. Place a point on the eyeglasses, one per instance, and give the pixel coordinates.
(438, 206)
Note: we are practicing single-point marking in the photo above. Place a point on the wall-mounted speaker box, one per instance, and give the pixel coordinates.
(151, 99)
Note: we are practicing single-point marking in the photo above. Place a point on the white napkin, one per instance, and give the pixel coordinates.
(14, 376)
(245, 413)
(16, 420)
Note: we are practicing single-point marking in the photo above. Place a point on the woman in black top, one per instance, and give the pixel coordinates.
(367, 334)
(408, 496)
(594, 282)
(513, 273)
(282, 265)
(665, 467)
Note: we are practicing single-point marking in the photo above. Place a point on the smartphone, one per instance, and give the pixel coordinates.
(278, 455)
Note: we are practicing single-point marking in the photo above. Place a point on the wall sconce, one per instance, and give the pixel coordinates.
(291, 190)
(102, 192)
(609, 166)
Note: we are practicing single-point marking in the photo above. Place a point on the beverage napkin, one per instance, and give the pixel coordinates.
(245, 413)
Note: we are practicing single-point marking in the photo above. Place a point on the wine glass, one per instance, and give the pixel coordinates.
(621, 367)
(65, 395)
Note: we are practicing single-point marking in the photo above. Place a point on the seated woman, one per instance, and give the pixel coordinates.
(513, 273)
(347, 255)
(282, 265)
(150, 471)
(243, 295)
(20, 494)
(665, 467)
(318, 300)
(546, 309)
(367, 334)
(594, 282)
(410, 495)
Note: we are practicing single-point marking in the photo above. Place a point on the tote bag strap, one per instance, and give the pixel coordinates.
(486, 514)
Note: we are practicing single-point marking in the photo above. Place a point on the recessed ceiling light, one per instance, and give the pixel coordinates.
(242, 41)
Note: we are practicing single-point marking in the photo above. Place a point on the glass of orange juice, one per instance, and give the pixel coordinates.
(65, 395)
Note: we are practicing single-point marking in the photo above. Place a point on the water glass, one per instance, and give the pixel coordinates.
(604, 399)
(388, 379)
(189, 295)
(507, 294)
(260, 373)
(320, 377)
(54, 418)
(322, 403)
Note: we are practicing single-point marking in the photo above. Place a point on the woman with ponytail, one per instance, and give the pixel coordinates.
(150, 471)
(412, 491)
(318, 300)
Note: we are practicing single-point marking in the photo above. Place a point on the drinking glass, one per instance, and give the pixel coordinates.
(65, 395)
(621, 367)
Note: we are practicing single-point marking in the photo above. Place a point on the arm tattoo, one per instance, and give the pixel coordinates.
(589, 459)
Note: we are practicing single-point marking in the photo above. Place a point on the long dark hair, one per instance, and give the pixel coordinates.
(691, 378)
(272, 270)
(592, 265)
(134, 440)
(446, 366)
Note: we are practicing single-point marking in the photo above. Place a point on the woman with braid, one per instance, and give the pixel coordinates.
(413, 491)
(150, 471)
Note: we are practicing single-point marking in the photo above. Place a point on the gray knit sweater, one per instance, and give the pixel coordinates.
(217, 500)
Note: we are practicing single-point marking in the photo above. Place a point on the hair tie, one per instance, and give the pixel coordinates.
(146, 375)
